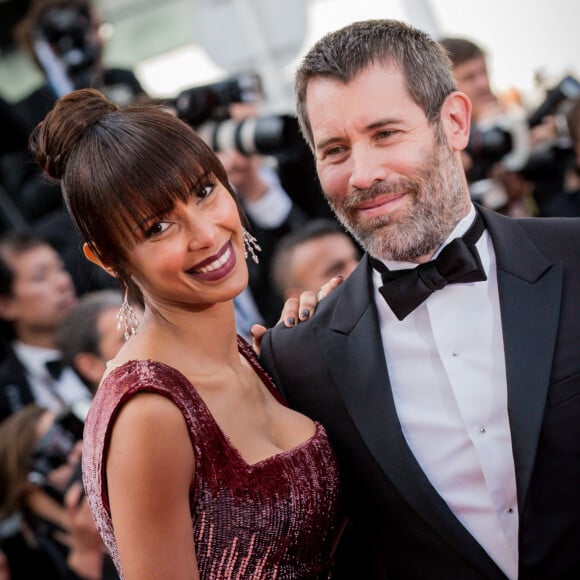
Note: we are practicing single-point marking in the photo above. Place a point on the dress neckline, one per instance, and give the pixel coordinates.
(266, 380)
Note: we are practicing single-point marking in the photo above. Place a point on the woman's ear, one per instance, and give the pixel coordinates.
(456, 119)
(92, 257)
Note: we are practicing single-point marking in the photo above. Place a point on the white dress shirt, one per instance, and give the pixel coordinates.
(48, 392)
(447, 370)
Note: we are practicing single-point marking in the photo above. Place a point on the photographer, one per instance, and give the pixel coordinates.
(64, 39)
(566, 202)
(493, 182)
(516, 162)
(53, 535)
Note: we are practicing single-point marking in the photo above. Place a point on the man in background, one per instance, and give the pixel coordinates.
(311, 255)
(88, 337)
(36, 293)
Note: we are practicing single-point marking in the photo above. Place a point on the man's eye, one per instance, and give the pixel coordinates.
(336, 150)
(385, 134)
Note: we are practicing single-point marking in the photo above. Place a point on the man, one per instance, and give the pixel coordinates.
(493, 164)
(310, 256)
(472, 78)
(88, 337)
(455, 412)
(36, 293)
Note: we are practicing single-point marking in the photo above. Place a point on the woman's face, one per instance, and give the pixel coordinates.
(191, 256)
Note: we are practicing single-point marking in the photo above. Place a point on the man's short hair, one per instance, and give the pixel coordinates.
(78, 332)
(345, 53)
(461, 50)
(282, 258)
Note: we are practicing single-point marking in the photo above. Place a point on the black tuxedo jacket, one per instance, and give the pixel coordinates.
(333, 369)
(15, 391)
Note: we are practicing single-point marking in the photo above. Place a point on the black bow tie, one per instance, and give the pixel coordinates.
(55, 368)
(459, 261)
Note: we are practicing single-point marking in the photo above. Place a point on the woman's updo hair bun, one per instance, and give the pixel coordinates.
(58, 135)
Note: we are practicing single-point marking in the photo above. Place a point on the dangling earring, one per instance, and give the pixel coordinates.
(251, 246)
(126, 319)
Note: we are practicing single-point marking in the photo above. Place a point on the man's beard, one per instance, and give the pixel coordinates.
(437, 203)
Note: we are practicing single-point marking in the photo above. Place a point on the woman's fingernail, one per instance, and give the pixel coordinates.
(304, 313)
(291, 321)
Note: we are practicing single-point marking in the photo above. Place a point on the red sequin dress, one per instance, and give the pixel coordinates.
(275, 519)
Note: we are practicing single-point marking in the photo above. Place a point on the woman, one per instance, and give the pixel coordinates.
(56, 538)
(193, 465)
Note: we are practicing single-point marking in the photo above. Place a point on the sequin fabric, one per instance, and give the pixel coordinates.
(276, 519)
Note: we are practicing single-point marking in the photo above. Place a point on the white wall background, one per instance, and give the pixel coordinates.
(524, 40)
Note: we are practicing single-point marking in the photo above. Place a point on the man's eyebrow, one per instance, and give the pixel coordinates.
(370, 127)
(382, 122)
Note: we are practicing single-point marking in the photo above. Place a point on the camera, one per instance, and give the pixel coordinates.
(66, 30)
(205, 108)
(567, 89)
(277, 135)
(198, 104)
(53, 449)
(66, 49)
(492, 143)
(507, 138)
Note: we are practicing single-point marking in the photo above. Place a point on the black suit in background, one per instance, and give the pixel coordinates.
(15, 391)
(333, 369)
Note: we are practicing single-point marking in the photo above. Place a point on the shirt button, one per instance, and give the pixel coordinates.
(455, 353)
(510, 510)
(482, 429)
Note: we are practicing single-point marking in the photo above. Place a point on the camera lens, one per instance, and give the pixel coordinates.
(266, 135)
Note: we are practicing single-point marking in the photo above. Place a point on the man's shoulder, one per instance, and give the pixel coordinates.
(554, 237)
(339, 310)
(15, 391)
(10, 365)
(560, 235)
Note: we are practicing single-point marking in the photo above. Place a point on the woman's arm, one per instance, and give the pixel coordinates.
(150, 466)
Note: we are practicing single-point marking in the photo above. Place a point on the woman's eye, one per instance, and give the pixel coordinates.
(156, 229)
(206, 190)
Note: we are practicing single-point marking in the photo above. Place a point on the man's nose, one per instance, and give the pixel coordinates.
(368, 166)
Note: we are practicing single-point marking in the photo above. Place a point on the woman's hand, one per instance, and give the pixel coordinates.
(297, 310)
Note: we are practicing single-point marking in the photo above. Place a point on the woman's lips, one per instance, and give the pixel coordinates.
(217, 266)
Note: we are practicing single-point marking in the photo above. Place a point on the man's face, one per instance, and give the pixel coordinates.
(42, 292)
(472, 79)
(388, 174)
(316, 261)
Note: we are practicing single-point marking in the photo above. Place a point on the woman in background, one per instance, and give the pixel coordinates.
(53, 535)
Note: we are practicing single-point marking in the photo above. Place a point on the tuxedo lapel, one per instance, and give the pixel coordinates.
(530, 293)
(352, 349)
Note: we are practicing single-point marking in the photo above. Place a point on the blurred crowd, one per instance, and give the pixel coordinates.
(57, 311)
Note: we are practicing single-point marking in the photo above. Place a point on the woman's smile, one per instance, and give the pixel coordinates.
(217, 266)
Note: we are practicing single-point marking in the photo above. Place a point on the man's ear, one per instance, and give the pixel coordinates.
(456, 120)
(92, 257)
